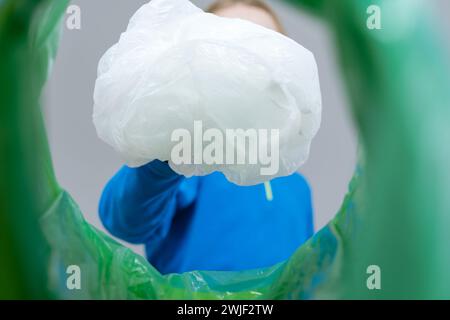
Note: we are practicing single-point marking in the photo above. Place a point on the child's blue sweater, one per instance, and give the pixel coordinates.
(206, 223)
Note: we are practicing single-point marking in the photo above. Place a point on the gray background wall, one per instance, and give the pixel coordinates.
(83, 163)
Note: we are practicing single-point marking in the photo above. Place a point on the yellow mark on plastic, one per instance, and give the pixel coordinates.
(268, 188)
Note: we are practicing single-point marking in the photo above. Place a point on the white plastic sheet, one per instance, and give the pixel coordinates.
(179, 70)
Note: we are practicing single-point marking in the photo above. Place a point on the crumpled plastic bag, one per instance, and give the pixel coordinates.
(176, 65)
(398, 191)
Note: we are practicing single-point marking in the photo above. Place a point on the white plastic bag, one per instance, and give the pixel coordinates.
(177, 70)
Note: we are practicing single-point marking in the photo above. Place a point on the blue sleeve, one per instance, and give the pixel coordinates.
(138, 204)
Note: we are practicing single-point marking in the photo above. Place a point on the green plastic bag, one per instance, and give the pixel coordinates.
(396, 214)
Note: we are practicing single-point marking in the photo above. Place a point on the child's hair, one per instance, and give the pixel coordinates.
(260, 4)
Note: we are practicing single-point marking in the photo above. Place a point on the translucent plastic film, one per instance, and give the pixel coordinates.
(396, 214)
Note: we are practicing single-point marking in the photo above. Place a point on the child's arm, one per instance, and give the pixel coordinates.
(138, 204)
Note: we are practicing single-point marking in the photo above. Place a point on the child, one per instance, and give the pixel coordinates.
(208, 223)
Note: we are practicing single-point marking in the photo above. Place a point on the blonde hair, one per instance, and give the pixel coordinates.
(223, 4)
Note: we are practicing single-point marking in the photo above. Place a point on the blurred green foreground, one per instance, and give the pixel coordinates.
(396, 215)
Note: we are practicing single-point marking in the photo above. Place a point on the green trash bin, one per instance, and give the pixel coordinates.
(395, 216)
